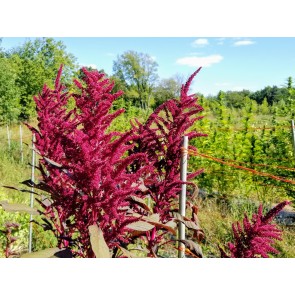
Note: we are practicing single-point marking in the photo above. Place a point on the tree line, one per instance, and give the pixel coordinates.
(26, 68)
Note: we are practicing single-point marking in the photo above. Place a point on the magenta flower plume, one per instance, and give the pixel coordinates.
(160, 137)
(256, 237)
(84, 167)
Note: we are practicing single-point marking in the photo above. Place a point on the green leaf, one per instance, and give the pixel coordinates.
(18, 208)
(47, 253)
(98, 243)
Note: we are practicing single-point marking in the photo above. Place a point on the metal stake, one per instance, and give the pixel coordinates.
(32, 192)
(182, 197)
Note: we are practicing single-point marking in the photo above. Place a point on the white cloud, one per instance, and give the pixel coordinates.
(243, 43)
(204, 61)
(200, 42)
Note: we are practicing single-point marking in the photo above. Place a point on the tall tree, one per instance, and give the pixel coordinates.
(167, 89)
(9, 93)
(138, 72)
(39, 61)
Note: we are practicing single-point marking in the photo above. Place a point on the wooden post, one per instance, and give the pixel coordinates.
(182, 197)
(32, 192)
(293, 136)
(21, 143)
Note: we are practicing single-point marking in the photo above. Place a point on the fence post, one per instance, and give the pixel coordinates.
(182, 197)
(293, 136)
(32, 192)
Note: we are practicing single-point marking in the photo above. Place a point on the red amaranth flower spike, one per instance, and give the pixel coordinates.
(256, 237)
(94, 183)
(161, 138)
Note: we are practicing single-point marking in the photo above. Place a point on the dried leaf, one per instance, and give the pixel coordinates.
(51, 162)
(45, 202)
(195, 210)
(140, 226)
(187, 222)
(195, 218)
(140, 202)
(47, 253)
(190, 224)
(149, 222)
(177, 215)
(171, 223)
(153, 217)
(164, 226)
(97, 241)
(199, 235)
(193, 247)
(195, 193)
(18, 208)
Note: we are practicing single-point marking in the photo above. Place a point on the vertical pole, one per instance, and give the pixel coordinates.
(32, 191)
(182, 198)
(21, 143)
(8, 136)
(293, 136)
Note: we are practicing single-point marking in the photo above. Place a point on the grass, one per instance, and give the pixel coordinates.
(12, 172)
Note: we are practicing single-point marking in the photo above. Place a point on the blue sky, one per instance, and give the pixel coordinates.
(228, 63)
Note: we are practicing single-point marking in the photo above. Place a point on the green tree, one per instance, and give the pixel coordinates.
(167, 89)
(9, 93)
(291, 93)
(264, 109)
(138, 73)
(39, 61)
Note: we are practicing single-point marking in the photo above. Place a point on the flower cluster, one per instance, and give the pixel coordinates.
(161, 139)
(83, 165)
(95, 176)
(256, 237)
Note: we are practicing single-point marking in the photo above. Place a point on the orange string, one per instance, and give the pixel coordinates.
(195, 153)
